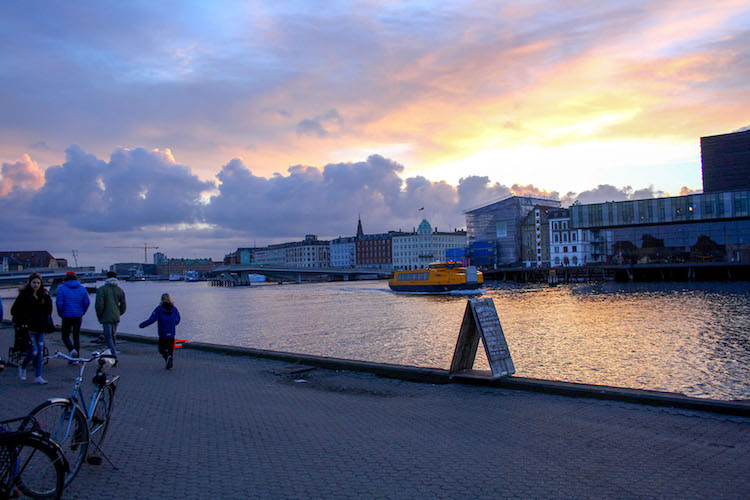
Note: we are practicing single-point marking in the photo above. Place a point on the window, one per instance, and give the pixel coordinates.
(565, 249)
(573, 236)
(555, 225)
(573, 249)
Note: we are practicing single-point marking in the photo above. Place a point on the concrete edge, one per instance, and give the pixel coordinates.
(471, 377)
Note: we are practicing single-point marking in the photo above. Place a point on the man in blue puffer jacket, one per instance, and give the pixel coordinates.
(72, 303)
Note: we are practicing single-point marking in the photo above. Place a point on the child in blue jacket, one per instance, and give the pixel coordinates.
(168, 317)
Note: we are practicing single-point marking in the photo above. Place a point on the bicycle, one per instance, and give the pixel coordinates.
(72, 424)
(31, 464)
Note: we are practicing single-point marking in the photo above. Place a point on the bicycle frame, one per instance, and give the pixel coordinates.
(77, 398)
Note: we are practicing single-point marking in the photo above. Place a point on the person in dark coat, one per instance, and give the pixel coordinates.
(168, 317)
(32, 311)
(72, 303)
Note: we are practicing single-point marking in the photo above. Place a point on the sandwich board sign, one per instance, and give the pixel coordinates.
(481, 321)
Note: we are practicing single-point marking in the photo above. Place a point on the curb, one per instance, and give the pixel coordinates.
(471, 377)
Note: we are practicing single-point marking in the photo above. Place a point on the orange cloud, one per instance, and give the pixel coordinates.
(24, 174)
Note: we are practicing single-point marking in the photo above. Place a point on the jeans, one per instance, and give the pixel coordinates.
(110, 331)
(36, 353)
(73, 324)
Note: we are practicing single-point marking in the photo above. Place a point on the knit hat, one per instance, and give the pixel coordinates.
(70, 276)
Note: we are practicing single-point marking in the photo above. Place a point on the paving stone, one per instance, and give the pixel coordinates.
(220, 426)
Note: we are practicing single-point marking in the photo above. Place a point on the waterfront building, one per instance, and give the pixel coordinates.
(494, 229)
(420, 248)
(35, 259)
(568, 246)
(374, 251)
(159, 257)
(180, 266)
(272, 255)
(309, 252)
(10, 264)
(725, 161)
(708, 227)
(535, 235)
(344, 252)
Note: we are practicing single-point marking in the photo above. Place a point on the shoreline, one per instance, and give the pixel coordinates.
(472, 377)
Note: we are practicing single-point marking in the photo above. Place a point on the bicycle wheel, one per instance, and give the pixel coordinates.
(67, 426)
(39, 469)
(100, 418)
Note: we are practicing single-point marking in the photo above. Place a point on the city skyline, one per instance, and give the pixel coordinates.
(209, 128)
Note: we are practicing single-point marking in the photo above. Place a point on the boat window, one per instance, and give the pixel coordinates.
(423, 276)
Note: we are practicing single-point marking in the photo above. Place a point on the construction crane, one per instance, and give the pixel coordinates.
(145, 247)
(75, 256)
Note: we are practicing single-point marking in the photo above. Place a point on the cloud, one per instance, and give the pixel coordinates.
(328, 201)
(606, 192)
(321, 126)
(135, 189)
(21, 175)
(684, 191)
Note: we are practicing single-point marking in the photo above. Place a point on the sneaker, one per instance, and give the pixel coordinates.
(21, 372)
(40, 380)
(169, 363)
(73, 353)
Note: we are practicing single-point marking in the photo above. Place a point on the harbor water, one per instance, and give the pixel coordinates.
(689, 338)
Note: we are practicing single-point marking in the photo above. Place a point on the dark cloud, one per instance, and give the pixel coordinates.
(328, 201)
(320, 126)
(309, 126)
(136, 188)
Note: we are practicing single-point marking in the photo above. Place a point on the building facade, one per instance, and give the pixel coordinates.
(374, 251)
(344, 252)
(419, 249)
(535, 235)
(497, 226)
(725, 161)
(709, 227)
(569, 247)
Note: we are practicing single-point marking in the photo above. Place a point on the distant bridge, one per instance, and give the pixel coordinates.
(10, 279)
(241, 273)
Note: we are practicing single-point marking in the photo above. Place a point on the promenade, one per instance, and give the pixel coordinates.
(222, 426)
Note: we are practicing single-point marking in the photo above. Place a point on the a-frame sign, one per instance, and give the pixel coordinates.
(481, 321)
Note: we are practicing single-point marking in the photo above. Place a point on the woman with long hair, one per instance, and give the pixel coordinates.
(32, 311)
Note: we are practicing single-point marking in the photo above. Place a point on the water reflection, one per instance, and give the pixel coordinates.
(688, 337)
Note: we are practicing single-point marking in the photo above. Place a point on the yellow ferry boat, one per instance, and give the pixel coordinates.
(438, 277)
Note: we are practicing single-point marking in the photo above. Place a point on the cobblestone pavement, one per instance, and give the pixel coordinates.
(219, 426)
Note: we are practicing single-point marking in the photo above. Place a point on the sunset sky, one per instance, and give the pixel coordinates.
(199, 126)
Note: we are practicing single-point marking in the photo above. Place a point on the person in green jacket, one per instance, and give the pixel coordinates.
(110, 304)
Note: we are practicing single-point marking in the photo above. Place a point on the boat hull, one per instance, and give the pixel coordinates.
(436, 288)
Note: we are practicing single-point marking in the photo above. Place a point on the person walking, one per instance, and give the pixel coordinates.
(110, 305)
(72, 303)
(168, 318)
(32, 311)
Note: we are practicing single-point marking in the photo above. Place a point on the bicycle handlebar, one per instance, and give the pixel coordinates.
(94, 355)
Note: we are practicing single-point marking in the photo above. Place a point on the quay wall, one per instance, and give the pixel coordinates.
(472, 377)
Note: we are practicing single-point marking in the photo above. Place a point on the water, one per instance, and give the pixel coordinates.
(687, 338)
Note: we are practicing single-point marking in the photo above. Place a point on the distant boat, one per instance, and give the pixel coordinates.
(175, 277)
(191, 276)
(257, 278)
(438, 277)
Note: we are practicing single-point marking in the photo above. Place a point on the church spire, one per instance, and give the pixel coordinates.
(360, 233)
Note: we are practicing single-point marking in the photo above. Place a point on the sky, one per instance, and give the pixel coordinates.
(199, 127)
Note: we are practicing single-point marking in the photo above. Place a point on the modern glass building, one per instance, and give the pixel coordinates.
(725, 161)
(709, 227)
(500, 223)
